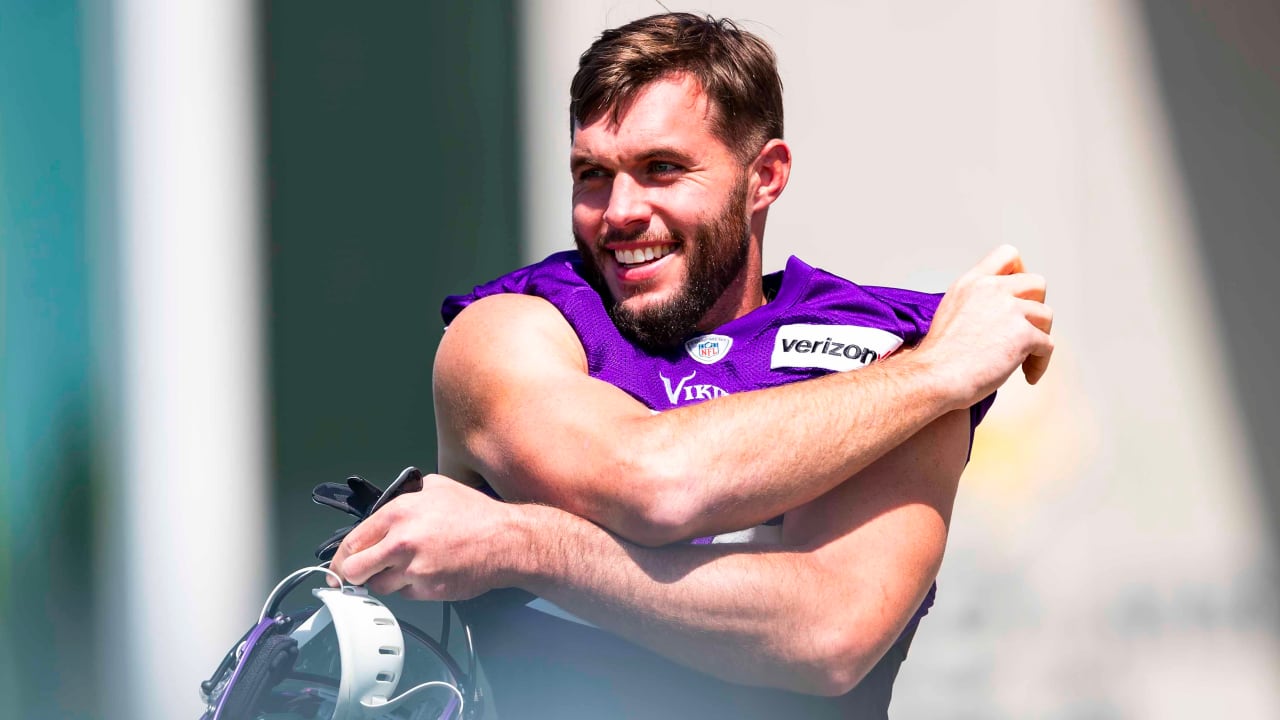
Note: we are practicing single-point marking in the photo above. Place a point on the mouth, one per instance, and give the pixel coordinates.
(637, 257)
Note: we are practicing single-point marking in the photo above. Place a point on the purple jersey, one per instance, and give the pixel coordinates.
(815, 323)
(541, 659)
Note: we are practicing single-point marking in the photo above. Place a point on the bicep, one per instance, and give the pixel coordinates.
(883, 531)
(531, 422)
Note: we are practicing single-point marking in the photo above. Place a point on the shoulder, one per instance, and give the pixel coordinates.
(550, 296)
(507, 325)
(553, 278)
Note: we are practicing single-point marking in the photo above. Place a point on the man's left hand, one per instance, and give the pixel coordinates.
(440, 543)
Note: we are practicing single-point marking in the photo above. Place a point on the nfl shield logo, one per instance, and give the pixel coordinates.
(707, 349)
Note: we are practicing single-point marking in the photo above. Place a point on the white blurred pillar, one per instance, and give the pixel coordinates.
(192, 530)
(551, 36)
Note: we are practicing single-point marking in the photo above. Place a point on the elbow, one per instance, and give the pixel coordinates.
(643, 533)
(838, 659)
(846, 645)
(655, 521)
(663, 509)
(840, 677)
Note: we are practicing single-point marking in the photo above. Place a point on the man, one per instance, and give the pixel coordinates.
(661, 390)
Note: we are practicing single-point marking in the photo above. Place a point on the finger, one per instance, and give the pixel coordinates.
(359, 567)
(336, 564)
(1004, 260)
(1035, 365)
(1028, 286)
(387, 582)
(1037, 361)
(1039, 315)
(365, 535)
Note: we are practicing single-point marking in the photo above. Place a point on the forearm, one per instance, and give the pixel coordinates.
(742, 459)
(777, 617)
(813, 614)
(728, 463)
(724, 464)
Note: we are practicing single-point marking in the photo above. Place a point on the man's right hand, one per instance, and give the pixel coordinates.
(991, 321)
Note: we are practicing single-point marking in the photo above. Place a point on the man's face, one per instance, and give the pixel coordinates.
(659, 212)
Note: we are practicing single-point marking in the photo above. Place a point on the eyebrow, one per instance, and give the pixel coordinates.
(668, 152)
(578, 159)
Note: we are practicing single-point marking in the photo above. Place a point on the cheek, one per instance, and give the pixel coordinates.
(688, 210)
(587, 219)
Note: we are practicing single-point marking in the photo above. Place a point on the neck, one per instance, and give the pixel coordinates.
(745, 294)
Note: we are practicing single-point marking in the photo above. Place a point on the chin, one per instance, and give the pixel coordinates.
(645, 303)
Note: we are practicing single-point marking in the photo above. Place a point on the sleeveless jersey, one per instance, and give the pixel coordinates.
(816, 323)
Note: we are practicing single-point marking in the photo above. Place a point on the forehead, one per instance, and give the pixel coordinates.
(668, 112)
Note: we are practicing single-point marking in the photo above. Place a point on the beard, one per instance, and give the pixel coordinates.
(713, 261)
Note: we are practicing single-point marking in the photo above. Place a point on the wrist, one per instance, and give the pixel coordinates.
(935, 387)
(522, 548)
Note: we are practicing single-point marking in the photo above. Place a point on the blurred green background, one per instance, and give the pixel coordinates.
(391, 179)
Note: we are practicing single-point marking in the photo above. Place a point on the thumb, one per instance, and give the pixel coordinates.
(1035, 366)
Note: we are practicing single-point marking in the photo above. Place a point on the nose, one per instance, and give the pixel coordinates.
(628, 203)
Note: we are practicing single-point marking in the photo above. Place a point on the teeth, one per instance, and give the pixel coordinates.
(640, 255)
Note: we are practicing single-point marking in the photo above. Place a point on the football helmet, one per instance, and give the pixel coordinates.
(345, 658)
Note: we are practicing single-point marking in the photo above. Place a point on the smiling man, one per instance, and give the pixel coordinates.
(659, 209)
(726, 493)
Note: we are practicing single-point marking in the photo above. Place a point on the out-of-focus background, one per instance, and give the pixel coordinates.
(226, 226)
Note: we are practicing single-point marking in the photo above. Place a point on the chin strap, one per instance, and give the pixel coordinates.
(360, 499)
(262, 660)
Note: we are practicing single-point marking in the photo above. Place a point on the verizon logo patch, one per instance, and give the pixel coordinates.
(831, 347)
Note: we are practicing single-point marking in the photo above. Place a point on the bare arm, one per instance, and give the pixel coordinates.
(813, 615)
(538, 428)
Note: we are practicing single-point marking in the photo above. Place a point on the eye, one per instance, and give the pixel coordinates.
(661, 167)
(588, 174)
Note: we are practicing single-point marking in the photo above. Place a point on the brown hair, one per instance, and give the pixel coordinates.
(736, 69)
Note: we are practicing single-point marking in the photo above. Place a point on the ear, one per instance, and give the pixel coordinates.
(769, 174)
